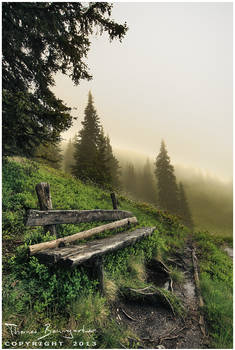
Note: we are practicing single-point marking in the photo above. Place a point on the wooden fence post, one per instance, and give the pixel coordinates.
(45, 203)
(114, 200)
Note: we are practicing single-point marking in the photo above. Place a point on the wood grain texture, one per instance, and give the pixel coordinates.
(81, 235)
(52, 217)
(78, 254)
(45, 203)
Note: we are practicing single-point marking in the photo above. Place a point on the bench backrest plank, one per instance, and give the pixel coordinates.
(52, 217)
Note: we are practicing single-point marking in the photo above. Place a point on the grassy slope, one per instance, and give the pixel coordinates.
(35, 294)
(216, 282)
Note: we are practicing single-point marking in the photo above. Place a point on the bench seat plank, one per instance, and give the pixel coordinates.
(76, 255)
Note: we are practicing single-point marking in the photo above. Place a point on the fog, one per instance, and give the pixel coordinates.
(210, 199)
(170, 78)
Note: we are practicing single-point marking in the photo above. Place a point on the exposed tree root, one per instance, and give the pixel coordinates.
(157, 296)
(128, 316)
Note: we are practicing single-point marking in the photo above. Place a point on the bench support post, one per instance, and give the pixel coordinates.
(45, 203)
(99, 273)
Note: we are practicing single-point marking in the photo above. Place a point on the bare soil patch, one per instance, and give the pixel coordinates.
(156, 326)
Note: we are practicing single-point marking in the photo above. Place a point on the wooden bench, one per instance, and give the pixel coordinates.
(55, 252)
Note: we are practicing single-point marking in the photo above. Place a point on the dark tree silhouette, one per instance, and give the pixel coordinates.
(103, 170)
(40, 39)
(147, 187)
(87, 145)
(93, 157)
(167, 187)
(113, 165)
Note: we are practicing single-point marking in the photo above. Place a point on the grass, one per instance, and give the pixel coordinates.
(35, 295)
(177, 276)
(216, 282)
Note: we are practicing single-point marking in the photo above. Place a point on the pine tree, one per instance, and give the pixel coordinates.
(147, 187)
(184, 210)
(93, 155)
(103, 170)
(167, 187)
(86, 145)
(113, 164)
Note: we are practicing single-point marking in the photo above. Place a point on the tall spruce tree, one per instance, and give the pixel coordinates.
(184, 210)
(113, 164)
(147, 187)
(168, 196)
(93, 156)
(87, 143)
(103, 171)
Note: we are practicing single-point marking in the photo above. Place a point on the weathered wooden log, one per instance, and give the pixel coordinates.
(41, 218)
(81, 253)
(114, 200)
(81, 235)
(45, 203)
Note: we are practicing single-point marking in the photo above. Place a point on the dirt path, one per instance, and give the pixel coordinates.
(157, 327)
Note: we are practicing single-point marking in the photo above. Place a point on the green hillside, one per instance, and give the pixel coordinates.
(35, 295)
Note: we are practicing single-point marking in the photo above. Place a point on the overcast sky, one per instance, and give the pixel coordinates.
(170, 78)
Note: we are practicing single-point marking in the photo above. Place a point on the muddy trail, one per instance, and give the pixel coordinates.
(156, 326)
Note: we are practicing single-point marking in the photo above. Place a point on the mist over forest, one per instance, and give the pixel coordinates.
(210, 199)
